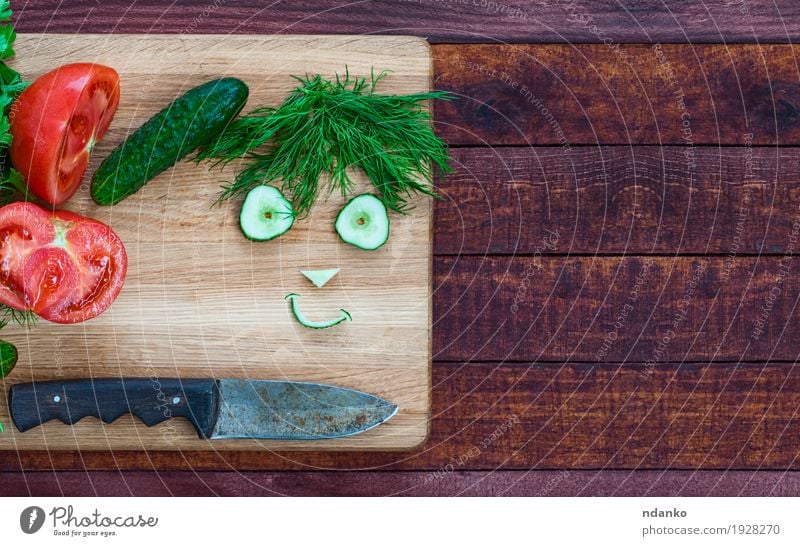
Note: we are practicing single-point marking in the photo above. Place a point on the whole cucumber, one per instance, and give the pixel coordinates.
(186, 124)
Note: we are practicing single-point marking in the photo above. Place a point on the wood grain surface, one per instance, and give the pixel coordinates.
(200, 300)
(732, 201)
(586, 309)
(634, 483)
(593, 21)
(635, 94)
(599, 415)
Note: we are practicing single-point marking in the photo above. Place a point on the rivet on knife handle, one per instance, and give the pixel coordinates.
(108, 399)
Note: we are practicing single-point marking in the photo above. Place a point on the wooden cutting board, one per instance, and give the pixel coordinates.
(202, 301)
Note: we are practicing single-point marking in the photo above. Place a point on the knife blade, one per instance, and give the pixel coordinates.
(217, 408)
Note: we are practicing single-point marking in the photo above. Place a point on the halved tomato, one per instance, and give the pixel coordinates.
(62, 266)
(56, 122)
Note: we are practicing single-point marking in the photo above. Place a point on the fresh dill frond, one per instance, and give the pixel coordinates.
(23, 318)
(325, 129)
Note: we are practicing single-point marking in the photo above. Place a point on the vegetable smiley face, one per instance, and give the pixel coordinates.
(55, 124)
(62, 266)
(363, 222)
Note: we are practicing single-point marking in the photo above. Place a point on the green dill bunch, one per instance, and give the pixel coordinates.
(327, 128)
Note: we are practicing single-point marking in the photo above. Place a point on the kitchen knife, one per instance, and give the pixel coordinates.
(217, 408)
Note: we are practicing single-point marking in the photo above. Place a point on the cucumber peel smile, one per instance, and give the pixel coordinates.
(316, 325)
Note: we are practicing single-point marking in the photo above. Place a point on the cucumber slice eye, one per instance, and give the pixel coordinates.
(364, 222)
(315, 324)
(266, 214)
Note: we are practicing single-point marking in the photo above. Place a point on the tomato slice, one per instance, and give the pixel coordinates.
(56, 122)
(64, 267)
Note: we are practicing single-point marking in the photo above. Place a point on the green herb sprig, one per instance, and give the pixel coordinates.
(11, 85)
(23, 318)
(327, 128)
(11, 181)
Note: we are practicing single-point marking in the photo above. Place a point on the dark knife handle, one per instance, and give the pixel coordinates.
(151, 400)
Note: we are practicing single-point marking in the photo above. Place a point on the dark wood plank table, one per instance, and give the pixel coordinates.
(616, 257)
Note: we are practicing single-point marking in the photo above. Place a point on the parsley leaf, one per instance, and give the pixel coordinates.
(11, 85)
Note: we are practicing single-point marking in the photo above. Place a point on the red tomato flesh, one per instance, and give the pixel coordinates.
(62, 266)
(55, 124)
